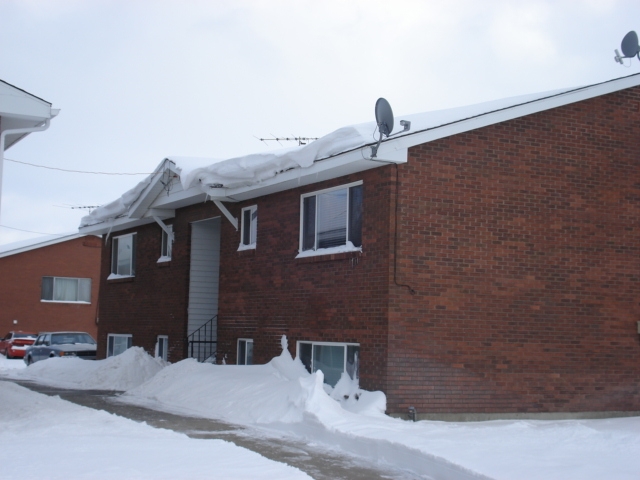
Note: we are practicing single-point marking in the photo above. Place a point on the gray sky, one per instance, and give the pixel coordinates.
(137, 81)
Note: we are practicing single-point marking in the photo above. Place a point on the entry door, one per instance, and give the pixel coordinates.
(204, 277)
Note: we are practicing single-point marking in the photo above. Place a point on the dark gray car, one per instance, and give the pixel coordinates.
(61, 344)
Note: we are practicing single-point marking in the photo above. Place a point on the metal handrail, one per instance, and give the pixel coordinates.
(203, 336)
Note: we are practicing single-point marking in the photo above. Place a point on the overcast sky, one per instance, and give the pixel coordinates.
(137, 81)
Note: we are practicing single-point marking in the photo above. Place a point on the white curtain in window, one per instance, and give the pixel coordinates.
(65, 289)
(84, 290)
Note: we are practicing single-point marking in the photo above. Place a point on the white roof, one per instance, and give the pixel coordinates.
(35, 243)
(345, 151)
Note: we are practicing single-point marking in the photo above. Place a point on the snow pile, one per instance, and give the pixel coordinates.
(279, 391)
(282, 396)
(122, 372)
(39, 433)
(14, 364)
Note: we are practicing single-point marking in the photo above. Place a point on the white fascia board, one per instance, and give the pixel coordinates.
(354, 161)
(19, 104)
(140, 207)
(490, 118)
(121, 223)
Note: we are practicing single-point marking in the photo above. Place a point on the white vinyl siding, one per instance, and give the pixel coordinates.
(203, 273)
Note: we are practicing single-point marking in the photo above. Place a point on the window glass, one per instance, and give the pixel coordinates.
(331, 358)
(61, 289)
(249, 227)
(123, 255)
(167, 242)
(245, 351)
(162, 346)
(116, 344)
(332, 218)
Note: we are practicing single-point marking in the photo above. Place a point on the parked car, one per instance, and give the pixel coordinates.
(14, 344)
(61, 344)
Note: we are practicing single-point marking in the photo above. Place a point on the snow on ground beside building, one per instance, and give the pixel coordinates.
(48, 437)
(283, 396)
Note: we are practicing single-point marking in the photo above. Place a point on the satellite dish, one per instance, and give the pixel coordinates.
(384, 117)
(629, 46)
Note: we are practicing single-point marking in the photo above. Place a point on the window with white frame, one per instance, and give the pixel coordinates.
(249, 228)
(167, 243)
(245, 351)
(123, 255)
(162, 345)
(331, 218)
(332, 358)
(64, 289)
(118, 343)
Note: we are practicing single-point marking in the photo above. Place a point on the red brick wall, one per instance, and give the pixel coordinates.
(21, 282)
(154, 301)
(342, 298)
(522, 242)
(266, 292)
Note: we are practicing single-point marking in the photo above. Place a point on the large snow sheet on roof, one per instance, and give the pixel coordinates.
(255, 168)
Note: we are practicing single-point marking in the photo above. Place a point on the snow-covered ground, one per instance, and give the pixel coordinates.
(282, 396)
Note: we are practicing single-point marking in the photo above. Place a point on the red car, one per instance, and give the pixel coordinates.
(14, 344)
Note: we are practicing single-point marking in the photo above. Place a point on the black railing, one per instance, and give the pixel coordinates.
(201, 343)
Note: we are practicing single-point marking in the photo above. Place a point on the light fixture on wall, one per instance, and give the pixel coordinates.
(15, 322)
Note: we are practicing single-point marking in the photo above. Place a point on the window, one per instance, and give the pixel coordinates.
(245, 351)
(117, 343)
(167, 243)
(332, 218)
(123, 255)
(331, 358)
(63, 289)
(161, 347)
(249, 228)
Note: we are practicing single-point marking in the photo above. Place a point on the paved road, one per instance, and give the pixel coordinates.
(319, 463)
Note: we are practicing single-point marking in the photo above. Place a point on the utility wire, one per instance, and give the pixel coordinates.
(74, 171)
(31, 231)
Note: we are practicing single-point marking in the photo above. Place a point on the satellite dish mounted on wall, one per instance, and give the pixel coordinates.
(630, 47)
(384, 120)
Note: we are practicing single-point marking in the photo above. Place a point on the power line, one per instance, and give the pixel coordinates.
(31, 231)
(74, 171)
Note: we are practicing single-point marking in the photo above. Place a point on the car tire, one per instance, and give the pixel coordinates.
(29, 360)
(7, 354)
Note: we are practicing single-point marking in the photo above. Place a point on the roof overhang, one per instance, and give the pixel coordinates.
(156, 199)
(19, 110)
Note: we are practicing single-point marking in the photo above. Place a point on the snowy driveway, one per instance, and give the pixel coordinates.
(317, 461)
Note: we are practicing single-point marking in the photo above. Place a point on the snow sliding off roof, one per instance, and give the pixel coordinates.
(342, 152)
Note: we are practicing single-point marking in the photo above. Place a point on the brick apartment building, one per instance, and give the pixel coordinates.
(49, 284)
(485, 262)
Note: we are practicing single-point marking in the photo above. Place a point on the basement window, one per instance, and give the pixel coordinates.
(249, 228)
(162, 345)
(245, 351)
(66, 290)
(332, 358)
(331, 221)
(117, 343)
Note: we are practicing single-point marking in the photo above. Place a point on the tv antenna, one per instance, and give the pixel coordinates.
(301, 140)
(630, 47)
(384, 119)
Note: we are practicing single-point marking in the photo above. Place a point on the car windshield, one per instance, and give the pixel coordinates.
(71, 338)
